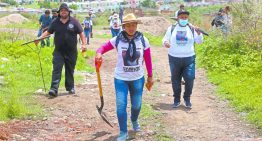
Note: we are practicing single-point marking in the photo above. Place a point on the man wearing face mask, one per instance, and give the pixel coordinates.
(66, 29)
(180, 39)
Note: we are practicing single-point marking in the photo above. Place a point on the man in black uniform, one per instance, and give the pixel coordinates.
(66, 29)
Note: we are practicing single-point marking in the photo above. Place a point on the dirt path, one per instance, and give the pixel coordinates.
(74, 117)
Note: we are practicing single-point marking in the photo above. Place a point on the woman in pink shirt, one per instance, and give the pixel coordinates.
(133, 50)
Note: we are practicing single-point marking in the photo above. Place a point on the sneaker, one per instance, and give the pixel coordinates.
(188, 104)
(136, 126)
(72, 91)
(52, 93)
(176, 104)
(123, 136)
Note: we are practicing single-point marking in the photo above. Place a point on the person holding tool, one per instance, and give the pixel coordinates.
(66, 29)
(132, 50)
(180, 39)
(44, 21)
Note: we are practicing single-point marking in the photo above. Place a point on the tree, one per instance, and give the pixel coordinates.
(45, 4)
(11, 2)
(73, 6)
(149, 3)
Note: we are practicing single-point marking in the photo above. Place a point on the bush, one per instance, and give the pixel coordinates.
(73, 6)
(11, 2)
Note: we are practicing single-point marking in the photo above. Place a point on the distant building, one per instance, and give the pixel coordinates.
(102, 5)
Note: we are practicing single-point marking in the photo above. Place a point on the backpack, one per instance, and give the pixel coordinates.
(142, 40)
(191, 28)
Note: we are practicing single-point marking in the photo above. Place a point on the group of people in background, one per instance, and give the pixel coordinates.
(115, 21)
(223, 20)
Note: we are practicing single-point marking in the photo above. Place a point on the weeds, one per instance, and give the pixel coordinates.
(22, 77)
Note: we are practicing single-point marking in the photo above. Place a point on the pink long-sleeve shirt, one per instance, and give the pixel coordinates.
(127, 69)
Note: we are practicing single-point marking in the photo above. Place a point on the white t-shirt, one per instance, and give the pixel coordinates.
(87, 23)
(182, 41)
(127, 69)
(115, 23)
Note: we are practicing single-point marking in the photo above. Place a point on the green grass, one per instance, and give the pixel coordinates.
(22, 77)
(154, 40)
(103, 36)
(237, 70)
(149, 116)
(25, 25)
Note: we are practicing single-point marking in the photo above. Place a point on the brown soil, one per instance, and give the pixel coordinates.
(154, 25)
(74, 117)
(13, 18)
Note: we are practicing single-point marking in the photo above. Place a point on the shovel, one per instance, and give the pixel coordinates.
(99, 109)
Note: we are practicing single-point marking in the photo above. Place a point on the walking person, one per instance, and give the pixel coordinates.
(115, 25)
(66, 29)
(180, 39)
(54, 14)
(132, 50)
(44, 21)
(121, 13)
(227, 20)
(91, 16)
(87, 23)
(181, 7)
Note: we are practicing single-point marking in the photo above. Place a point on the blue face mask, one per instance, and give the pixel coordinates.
(183, 22)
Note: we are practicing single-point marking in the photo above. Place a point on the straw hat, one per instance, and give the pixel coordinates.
(130, 18)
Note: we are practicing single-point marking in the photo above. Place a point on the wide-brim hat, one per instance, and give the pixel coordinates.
(130, 18)
(64, 6)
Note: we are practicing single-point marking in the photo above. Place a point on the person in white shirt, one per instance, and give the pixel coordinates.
(180, 39)
(181, 7)
(115, 25)
(132, 51)
(87, 23)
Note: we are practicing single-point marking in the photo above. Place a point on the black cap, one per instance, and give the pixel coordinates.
(64, 5)
(54, 10)
(182, 12)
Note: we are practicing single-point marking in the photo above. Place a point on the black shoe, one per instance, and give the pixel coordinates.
(188, 104)
(176, 104)
(72, 91)
(52, 93)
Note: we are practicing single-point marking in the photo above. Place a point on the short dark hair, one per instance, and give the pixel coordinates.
(47, 12)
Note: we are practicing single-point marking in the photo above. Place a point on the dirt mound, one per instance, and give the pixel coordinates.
(12, 18)
(154, 25)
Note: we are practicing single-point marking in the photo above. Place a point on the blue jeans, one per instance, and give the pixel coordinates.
(87, 32)
(43, 42)
(135, 89)
(182, 67)
(115, 32)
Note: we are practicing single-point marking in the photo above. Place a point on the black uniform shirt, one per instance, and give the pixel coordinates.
(65, 34)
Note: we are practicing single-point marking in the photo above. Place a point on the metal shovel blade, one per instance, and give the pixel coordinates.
(103, 116)
(99, 109)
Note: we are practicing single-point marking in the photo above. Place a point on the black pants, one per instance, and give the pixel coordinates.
(59, 59)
